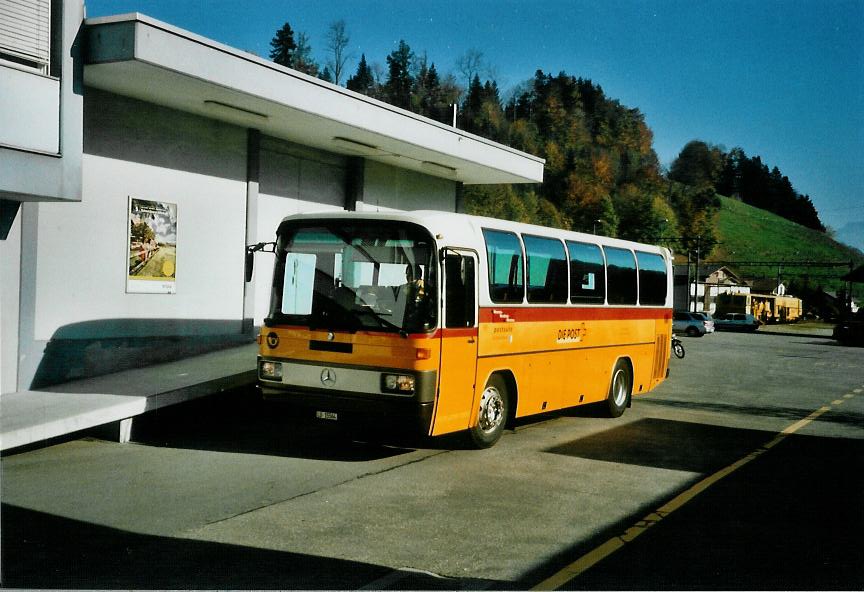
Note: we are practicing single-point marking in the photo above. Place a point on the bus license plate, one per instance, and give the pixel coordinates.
(327, 415)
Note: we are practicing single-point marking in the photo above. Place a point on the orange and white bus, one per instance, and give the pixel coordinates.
(451, 322)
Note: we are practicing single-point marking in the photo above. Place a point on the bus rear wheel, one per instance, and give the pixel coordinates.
(492, 414)
(620, 389)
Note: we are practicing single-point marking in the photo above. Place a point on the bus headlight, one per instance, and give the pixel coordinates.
(270, 370)
(398, 383)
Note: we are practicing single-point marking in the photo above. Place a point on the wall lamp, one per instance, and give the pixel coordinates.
(233, 109)
(358, 147)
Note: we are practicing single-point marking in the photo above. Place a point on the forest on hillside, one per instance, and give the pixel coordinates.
(602, 174)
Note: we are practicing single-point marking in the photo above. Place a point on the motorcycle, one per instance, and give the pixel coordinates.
(677, 347)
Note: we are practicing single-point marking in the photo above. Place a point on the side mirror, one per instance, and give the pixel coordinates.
(250, 264)
(250, 256)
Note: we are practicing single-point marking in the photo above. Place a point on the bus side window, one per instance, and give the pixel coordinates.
(621, 271)
(587, 274)
(504, 255)
(652, 279)
(547, 272)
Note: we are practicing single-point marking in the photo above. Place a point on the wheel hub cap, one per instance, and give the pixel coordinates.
(491, 410)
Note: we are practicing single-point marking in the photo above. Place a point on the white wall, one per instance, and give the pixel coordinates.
(144, 151)
(83, 257)
(389, 188)
(10, 285)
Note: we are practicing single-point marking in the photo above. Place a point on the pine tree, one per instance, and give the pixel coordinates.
(283, 46)
(397, 89)
(363, 80)
(303, 60)
(472, 106)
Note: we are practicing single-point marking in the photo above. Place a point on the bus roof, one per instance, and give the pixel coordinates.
(455, 229)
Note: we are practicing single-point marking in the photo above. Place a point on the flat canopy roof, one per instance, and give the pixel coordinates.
(140, 57)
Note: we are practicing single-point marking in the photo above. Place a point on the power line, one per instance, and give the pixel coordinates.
(782, 263)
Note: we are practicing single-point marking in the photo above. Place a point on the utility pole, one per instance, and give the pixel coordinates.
(779, 271)
(698, 255)
(689, 283)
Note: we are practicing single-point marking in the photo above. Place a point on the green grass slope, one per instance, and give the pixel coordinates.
(750, 234)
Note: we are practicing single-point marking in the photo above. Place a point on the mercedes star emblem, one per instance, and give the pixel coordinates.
(328, 377)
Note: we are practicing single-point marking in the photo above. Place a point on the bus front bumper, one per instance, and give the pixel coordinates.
(347, 407)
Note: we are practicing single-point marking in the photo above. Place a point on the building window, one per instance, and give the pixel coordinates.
(25, 33)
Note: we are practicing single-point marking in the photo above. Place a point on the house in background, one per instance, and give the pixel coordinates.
(701, 295)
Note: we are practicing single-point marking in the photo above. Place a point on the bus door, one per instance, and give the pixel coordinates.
(458, 361)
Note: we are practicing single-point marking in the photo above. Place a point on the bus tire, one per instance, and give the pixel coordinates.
(492, 414)
(620, 389)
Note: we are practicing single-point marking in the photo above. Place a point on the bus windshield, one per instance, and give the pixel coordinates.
(354, 275)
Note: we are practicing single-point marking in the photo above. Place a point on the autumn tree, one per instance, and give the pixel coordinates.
(510, 202)
(696, 208)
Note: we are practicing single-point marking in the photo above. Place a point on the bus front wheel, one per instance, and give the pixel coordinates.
(492, 413)
(619, 389)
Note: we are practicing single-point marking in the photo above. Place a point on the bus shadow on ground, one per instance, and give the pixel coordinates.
(240, 422)
(667, 444)
(43, 551)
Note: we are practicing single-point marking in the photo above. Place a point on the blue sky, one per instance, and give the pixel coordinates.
(781, 79)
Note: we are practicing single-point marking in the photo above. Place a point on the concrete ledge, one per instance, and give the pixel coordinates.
(27, 417)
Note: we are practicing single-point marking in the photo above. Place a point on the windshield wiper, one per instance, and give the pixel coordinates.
(382, 322)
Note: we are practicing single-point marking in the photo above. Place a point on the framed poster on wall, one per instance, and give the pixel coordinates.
(152, 242)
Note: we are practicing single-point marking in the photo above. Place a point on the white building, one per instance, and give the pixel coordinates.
(98, 115)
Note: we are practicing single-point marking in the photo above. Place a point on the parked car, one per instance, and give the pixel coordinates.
(707, 319)
(736, 321)
(688, 323)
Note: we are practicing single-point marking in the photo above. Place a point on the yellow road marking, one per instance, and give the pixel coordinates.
(615, 543)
